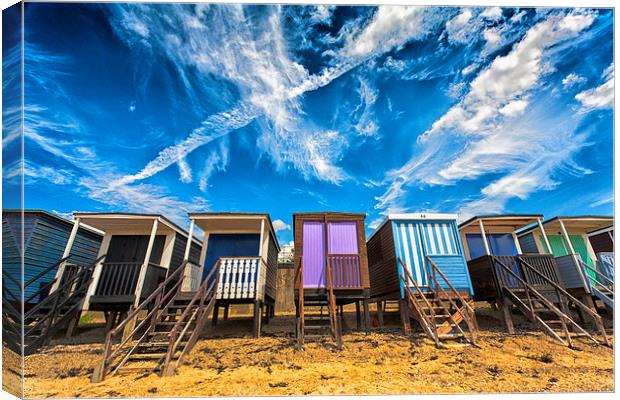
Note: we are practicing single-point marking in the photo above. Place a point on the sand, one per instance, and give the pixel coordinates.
(384, 362)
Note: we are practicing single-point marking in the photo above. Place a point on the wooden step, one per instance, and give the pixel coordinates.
(147, 356)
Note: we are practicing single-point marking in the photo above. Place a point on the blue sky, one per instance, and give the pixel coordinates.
(281, 109)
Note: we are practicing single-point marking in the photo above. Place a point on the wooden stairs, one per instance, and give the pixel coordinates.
(160, 331)
(601, 285)
(57, 311)
(316, 318)
(550, 311)
(442, 313)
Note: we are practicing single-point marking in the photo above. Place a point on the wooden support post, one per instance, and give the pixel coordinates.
(190, 236)
(358, 315)
(544, 235)
(257, 318)
(484, 238)
(404, 316)
(266, 314)
(61, 268)
(366, 316)
(380, 313)
(587, 300)
(145, 263)
(586, 285)
(216, 312)
(507, 315)
(226, 307)
(73, 324)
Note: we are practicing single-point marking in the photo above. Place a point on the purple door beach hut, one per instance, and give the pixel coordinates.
(331, 270)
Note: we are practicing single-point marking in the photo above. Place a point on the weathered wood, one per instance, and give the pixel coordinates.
(358, 316)
(380, 312)
(404, 317)
(257, 318)
(366, 316)
(504, 306)
(216, 312)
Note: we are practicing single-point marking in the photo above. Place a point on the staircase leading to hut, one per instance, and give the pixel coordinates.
(545, 303)
(316, 318)
(443, 314)
(52, 313)
(157, 335)
(601, 284)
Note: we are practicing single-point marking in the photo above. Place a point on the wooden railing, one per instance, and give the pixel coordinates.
(114, 357)
(345, 271)
(428, 323)
(598, 280)
(197, 312)
(299, 284)
(121, 278)
(240, 277)
(62, 304)
(545, 266)
(465, 310)
(563, 297)
(504, 278)
(332, 305)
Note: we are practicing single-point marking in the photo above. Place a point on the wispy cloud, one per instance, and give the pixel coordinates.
(257, 62)
(280, 225)
(487, 132)
(601, 96)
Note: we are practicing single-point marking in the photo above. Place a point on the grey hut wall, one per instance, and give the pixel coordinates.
(271, 279)
(528, 244)
(45, 238)
(178, 251)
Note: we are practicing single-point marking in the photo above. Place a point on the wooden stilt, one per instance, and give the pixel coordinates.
(130, 325)
(72, 325)
(267, 313)
(257, 318)
(358, 315)
(380, 312)
(216, 311)
(226, 312)
(587, 300)
(507, 315)
(366, 316)
(404, 316)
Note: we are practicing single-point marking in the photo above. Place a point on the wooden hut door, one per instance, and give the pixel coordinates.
(313, 253)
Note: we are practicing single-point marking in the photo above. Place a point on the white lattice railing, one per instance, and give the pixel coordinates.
(241, 278)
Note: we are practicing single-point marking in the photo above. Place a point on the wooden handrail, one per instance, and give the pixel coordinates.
(598, 273)
(332, 303)
(431, 325)
(45, 271)
(180, 328)
(299, 281)
(561, 290)
(467, 317)
(552, 306)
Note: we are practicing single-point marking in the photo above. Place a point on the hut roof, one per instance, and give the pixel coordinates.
(56, 217)
(118, 220)
(585, 223)
(214, 220)
(507, 222)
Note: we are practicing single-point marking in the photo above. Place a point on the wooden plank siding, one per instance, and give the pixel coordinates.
(178, 252)
(382, 263)
(48, 236)
(602, 243)
(271, 281)
(300, 218)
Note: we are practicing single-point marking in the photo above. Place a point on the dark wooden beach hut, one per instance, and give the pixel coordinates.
(243, 249)
(585, 272)
(56, 255)
(417, 260)
(505, 274)
(331, 270)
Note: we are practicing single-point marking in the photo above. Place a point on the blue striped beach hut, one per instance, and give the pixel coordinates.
(419, 254)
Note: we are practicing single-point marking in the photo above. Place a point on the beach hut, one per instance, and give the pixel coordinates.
(584, 272)
(57, 254)
(153, 319)
(138, 251)
(417, 259)
(243, 248)
(505, 273)
(331, 270)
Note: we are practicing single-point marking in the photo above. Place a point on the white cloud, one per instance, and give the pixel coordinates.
(459, 27)
(280, 225)
(217, 161)
(514, 108)
(603, 200)
(257, 62)
(487, 132)
(573, 79)
(469, 69)
(366, 125)
(601, 96)
(185, 171)
(493, 13)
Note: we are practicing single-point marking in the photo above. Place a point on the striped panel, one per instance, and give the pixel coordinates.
(439, 238)
(409, 249)
(238, 278)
